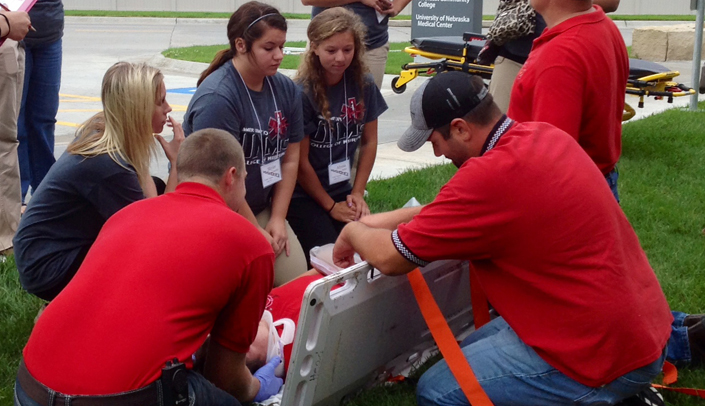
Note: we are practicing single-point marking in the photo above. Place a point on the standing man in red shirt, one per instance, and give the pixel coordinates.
(575, 79)
(163, 274)
(584, 319)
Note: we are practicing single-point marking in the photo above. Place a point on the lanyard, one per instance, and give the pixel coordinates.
(254, 111)
(347, 129)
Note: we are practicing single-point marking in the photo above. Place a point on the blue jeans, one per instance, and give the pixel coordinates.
(201, 392)
(511, 373)
(611, 179)
(40, 103)
(678, 345)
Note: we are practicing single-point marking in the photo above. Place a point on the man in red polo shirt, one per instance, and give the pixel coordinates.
(584, 319)
(163, 274)
(575, 78)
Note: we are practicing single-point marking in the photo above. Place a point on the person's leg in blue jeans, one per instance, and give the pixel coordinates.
(611, 179)
(678, 345)
(202, 392)
(512, 373)
(21, 398)
(40, 103)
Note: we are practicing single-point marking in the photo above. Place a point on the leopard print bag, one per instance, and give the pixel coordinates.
(515, 19)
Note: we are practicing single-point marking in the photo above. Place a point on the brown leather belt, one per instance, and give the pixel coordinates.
(148, 396)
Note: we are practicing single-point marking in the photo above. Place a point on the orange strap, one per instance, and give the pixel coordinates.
(445, 339)
(670, 376)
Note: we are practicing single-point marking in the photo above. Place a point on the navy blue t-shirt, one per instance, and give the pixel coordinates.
(350, 111)
(66, 213)
(264, 122)
(48, 18)
(377, 32)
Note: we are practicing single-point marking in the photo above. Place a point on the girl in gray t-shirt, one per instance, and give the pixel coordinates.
(341, 105)
(242, 93)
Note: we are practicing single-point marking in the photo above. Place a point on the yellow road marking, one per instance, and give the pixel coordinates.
(74, 96)
(79, 110)
(66, 124)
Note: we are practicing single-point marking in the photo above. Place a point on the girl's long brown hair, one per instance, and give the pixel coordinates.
(311, 74)
(239, 27)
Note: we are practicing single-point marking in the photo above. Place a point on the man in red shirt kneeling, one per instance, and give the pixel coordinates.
(583, 317)
(163, 274)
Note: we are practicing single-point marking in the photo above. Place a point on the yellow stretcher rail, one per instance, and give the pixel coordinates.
(657, 85)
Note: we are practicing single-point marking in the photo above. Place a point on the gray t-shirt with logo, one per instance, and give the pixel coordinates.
(330, 144)
(264, 122)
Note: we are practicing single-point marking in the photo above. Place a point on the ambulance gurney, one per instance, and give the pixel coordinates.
(454, 53)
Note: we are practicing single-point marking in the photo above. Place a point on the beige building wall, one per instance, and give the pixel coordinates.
(295, 6)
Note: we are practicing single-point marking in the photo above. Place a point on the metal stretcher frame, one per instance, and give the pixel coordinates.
(368, 330)
(657, 83)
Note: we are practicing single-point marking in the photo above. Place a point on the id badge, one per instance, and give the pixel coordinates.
(271, 173)
(339, 172)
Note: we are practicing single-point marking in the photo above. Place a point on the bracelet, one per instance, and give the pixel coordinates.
(331, 207)
(9, 27)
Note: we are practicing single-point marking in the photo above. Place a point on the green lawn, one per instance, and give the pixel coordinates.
(396, 58)
(306, 16)
(663, 194)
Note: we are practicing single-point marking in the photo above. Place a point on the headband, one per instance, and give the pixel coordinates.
(258, 19)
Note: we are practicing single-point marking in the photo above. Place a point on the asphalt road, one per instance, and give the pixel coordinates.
(92, 44)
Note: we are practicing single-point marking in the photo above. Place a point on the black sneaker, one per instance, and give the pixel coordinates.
(647, 397)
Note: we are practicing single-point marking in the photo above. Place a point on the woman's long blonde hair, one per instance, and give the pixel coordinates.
(311, 74)
(123, 130)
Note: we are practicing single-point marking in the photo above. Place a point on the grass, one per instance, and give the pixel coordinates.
(17, 312)
(205, 54)
(306, 16)
(662, 189)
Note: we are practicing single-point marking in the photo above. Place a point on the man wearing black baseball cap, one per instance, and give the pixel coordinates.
(583, 316)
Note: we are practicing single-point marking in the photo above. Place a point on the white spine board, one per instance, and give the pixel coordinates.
(369, 329)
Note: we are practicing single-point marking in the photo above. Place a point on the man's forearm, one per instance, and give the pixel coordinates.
(326, 3)
(391, 219)
(376, 247)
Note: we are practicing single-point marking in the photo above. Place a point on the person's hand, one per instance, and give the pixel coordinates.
(379, 5)
(270, 240)
(277, 229)
(488, 53)
(171, 148)
(343, 252)
(357, 202)
(269, 384)
(394, 10)
(343, 212)
(19, 24)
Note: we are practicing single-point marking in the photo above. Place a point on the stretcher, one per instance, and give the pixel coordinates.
(368, 331)
(646, 79)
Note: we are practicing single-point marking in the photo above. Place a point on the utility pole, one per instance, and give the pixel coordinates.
(697, 51)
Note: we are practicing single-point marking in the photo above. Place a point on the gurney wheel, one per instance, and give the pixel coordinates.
(395, 89)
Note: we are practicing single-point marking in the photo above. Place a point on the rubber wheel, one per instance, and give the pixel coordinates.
(395, 89)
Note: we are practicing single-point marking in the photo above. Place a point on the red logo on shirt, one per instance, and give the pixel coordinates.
(352, 111)
(277, 125)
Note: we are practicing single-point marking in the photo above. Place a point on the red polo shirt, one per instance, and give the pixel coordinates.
(576, 78)
(162, 275)
(554, 252)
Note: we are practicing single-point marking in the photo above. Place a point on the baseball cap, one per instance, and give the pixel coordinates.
(436, 103)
